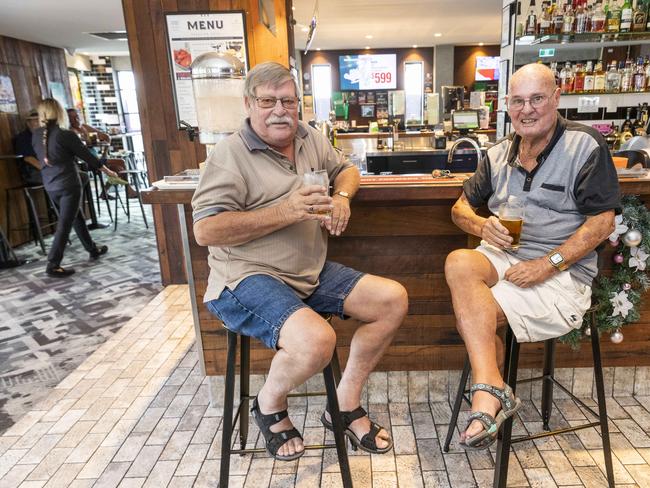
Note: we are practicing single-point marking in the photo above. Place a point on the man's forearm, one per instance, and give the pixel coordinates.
(594, 231)
(466, 218)
(235, 228)
(347, 181)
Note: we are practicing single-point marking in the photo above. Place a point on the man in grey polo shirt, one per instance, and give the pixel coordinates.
(564, 173)
(267, 236)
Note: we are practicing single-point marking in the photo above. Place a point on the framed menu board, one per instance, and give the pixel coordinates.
(191, 34)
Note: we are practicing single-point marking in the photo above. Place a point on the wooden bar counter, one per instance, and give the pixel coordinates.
(402, 230)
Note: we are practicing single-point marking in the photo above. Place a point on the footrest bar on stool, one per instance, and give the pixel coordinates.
(575, 398)
(311, 447)
(553, 432)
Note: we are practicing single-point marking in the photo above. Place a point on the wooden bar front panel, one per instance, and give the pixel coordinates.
(407, 238)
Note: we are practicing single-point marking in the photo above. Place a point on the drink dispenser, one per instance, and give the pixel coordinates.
(218, 82)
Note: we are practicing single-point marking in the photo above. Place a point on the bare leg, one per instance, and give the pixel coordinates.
(382, 304)
(306, 345)
(470, 275)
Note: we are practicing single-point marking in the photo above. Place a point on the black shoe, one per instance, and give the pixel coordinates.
(98, 251)
(105, 196)
(58, 272)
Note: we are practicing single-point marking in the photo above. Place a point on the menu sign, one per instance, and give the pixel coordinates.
(189, 36)
(7, 96)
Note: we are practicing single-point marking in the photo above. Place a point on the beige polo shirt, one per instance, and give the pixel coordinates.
(243, 173)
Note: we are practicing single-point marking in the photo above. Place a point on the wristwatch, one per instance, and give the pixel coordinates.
(557, 260)
(343, 194)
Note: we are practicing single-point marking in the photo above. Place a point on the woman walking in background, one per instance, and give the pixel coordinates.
(57, 148)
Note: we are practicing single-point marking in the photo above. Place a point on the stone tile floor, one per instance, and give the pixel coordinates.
(136, 413)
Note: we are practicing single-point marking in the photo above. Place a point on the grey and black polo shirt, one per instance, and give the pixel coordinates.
(244, 173)
(574, 178)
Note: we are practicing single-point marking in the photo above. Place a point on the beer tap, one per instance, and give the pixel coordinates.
(457, 143)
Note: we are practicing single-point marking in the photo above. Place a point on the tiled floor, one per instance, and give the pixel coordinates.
(136, 413)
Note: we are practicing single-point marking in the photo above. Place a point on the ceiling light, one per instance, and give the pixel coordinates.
(368, 36)
(293, 8)
(438, 34)
(367, 47)
(481, 43)
(305, 29)
(414, 46)
(317, 49)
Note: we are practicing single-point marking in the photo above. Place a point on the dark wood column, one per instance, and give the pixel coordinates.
(167, 149)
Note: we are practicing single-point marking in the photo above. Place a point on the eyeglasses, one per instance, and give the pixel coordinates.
(535, 101)
(269, 102)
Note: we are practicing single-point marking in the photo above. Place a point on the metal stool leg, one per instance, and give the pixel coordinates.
(457, 403)
(36, 223)
(602, 406)
(547, 382)
(336, 367)
(503, 443)
(229, 399)
(244, 388)
(339, 438)
(137, 189)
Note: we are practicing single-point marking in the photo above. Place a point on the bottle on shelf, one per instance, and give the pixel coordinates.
(579, 79)
(647, 73)
(558, 17)
(531, 20)
(638, 80)
(566, 79)
(556, 73)
(544, 20)
(627, 77)
(626, 126)
(568, 19)
(598, 18)
(639, 16)
(599, 77)
(614, 17)
(519, 29)
(626, 16)
(613, 79)
(580, 22)
(589, 78)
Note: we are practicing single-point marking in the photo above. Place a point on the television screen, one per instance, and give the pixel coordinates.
(465, 119)
(487, 68)
(368, 72)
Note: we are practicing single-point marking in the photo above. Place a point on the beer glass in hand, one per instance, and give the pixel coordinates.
(511, 216)
(321, 178)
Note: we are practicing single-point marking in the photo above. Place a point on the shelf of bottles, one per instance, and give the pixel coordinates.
(592, 21)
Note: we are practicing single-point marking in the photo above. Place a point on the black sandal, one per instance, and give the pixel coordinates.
(275, 440)
(367, 442)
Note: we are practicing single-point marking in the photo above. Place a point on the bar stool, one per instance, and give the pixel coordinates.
(505, 439)
(331, 375)
(34, 219)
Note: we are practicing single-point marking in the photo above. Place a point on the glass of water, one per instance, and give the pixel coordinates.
(318, 177)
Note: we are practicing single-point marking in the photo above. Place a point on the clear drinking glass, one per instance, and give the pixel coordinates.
(511, 216)
(318, 177)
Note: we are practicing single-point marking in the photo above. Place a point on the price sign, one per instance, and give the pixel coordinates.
(368, 72)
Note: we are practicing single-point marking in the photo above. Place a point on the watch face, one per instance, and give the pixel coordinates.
(556, 258)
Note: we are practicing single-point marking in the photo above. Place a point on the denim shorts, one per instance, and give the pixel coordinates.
(260, 304)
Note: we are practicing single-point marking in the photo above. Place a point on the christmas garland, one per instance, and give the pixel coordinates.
(617, 296)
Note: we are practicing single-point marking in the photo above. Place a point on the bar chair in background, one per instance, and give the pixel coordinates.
(331, 375)
(35, 225)
(505, 439)
(120, 166)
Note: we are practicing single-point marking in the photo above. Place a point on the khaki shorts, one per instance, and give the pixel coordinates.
(544, 311)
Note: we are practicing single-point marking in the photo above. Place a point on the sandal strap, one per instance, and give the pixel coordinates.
(275, 440)
(351, 416)
(267, 420)
(505, 395)
(489, 423)
(368, 440)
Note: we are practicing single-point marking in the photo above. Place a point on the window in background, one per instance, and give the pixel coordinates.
(414, 88)
(321, 76)
(129, 102)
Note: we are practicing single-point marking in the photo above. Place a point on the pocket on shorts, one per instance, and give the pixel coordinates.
(572, 315)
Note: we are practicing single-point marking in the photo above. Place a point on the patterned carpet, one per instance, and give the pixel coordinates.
(49, 326)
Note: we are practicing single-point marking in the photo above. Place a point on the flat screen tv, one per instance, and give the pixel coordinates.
(368, 72)
(487, 68)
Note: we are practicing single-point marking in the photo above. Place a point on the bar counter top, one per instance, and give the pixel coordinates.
(401, 229)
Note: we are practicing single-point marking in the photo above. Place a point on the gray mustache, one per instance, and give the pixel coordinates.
(273, 119)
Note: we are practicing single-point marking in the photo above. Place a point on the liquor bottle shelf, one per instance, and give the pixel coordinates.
(606, 100)
(599, 93)
(585, 40)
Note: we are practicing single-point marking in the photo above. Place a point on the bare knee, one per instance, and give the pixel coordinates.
(316, 350)
(396, 301)
(458, 265)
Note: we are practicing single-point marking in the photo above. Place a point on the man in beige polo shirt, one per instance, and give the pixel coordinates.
(267, 237)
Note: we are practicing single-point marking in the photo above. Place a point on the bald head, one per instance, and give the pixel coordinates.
(535, 71)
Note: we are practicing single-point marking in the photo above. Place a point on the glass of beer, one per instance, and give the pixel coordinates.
(511, 216)
(318, 177)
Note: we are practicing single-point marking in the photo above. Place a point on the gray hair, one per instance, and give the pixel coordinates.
(269, 73)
